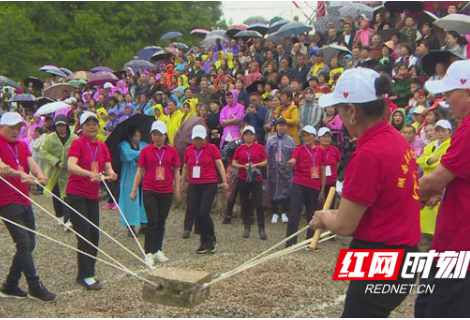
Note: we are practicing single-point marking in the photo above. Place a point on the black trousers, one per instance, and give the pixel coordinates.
(327, 190)
(157, 206)
(360, 304)
(282, 203)
(90, 209)
(301, 196)
(450, 298)
(200, 200)
(114, 186)
(60, 209)
(256, 190)
(25, 243)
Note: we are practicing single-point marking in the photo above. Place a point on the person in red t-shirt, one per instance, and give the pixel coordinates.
(332, 159)
(308, 185)
(450, 184)
(380, 201)
(160, 165)
(249, 157)
(16, 161)
(88, 157)
(200, 162)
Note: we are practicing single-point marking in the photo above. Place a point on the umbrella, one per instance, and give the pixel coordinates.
(56, 91)
(121, 132)
(172, 50)
(293, 28)
(47, 67)
(353, 9)
(37, 84)
(100, 78)
(56, 72)
(232, 30)
(254, 86)
(161, 55)
(137, 64)
(217, 33)
(199, 32)
(261, 28)
(10, 83)
(170, 35)
(275, 19)
(255, 19)
(245, 35)
(77, 83)
(387, 35)
(101, 69)
(211, 40)
(400, 6)
(455, 22)
(277, 25)
(434, 57)
(146, 53)
(43, 100)
(332, 51)
(465, 9)
(24, 97)
(51, 108)
(66, 71)
(428, 16)
(183, 136)
(180, 45)
(80, 75)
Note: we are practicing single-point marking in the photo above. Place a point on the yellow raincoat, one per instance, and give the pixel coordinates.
(183, 81)
(163, 117)
(174, 125)
(101, 136)
(428, 215)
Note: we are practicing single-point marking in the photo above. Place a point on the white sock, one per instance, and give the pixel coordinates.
(89, 281)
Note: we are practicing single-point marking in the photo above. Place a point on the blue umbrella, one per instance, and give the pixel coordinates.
(10, 83)
(293, 28)
(137, 64)
(68, 72)
(56, 72)
(277, 25)
(171, 35)
(147, 52)
(180, 45)
(275, 19)
(24, 97)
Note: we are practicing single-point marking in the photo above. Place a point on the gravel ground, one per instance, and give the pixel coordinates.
(297, 285)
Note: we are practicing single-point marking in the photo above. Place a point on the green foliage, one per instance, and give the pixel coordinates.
(81, 35)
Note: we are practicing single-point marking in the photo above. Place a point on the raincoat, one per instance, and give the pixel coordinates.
(310, 113)
(169, 73)
(133, 210)
(227, 113)
(291, 114)
(121, 87)
(174, 123)
(33, 124)
(252, 76)
(53, 151)
(403, 112)
(111, 125)
(179, 101)
(163, 117)
(279, 150)
(428, 215)
(101, 135)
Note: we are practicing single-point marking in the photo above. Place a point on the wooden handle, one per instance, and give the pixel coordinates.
(326, 206)
(106, 178)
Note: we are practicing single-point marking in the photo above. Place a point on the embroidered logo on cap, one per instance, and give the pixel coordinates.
(346, 94)
(463, 81)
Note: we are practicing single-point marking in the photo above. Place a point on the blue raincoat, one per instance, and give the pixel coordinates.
(133, 210)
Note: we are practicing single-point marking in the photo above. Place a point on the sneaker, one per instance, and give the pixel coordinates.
(275, 218)
(107, 206)
(91, 287)
(41, 293)
(149, 260)
(61, 220)
(284, 217)
(13, 292)
(160, 256)
(186, 234)
(202, 248)
(227, 220)
(115, 208)
(262, 234)
(212, 246)
(67, 226)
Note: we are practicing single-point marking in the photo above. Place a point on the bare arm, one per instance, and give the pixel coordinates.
(74, 168)
(237, 165)
(37, 171)
(137, 181)
(177, 175)
(109, 171)
(184, 177)
(261, 164)
(220, 167)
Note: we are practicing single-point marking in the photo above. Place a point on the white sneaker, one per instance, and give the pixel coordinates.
(160, 256)
(67, 226)
(275, 218)
(61, 221)
(284, 218)
(149, 260)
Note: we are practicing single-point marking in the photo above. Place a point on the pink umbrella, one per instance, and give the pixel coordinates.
(100, 78)
(199, 32)
(100, 69)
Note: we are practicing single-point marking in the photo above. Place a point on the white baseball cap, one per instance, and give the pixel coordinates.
(108, 85)
(308, 129)
(323, 131)
(73, 100)
(443, 124)
(88, 115)
(199, 131)
(249, 128)
(457, 77)
(444, 104)
(11, 119)
(67, 101)
(354, 86)
(159, 126)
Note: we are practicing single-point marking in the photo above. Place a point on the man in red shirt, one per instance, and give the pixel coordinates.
(17, 208)
(450, 184)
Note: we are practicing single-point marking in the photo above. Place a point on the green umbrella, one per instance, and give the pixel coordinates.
(77, 83)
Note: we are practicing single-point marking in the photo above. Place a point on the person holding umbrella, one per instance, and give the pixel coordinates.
(159, 164)
(380, 199)
(88, 157)
(200, 162)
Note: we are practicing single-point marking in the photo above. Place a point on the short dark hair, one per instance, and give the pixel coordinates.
(287, 92)
(367, 48)
(410, 126)
(255, 93)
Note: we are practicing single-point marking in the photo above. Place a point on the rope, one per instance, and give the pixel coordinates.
(124, 269)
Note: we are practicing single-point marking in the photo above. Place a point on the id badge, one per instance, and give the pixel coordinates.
(314, 172)
(196, 172)
(160, 173)
(328, 171)
(94, 167)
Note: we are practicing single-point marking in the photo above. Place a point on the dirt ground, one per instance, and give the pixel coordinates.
(297, 285)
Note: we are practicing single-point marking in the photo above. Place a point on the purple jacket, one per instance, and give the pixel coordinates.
(227, 113)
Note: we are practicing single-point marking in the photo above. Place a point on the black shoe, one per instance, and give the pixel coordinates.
(262, 234)
(186, 234)
(14, 292)
(142, 229)
(227, 220)
(212, 246)
(246, 233)
(41, 293)
(202, 248)
(93, 287)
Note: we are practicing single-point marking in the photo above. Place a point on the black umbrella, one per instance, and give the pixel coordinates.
(37, 84)
(10, 83)
(434, 57)
(247, 34)
(388, 33)
(120, 133)
(254, 86)
(24, 97)
(137, 64)
(400, 6)
(44, 100)
(260, 27)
